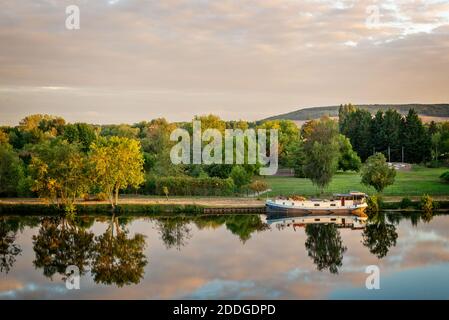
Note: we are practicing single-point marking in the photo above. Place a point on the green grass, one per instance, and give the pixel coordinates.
(416, 182)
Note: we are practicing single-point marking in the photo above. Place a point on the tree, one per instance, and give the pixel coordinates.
(59, 171)
(240, 176)
(11, 171)
(377, 173)
(81, 133)
(417, 143)
(349, 160)
(4, 137)
(117, 163)
(324, 246)
(289, 137)
(391, 132)
(356, 125)
(321, 152)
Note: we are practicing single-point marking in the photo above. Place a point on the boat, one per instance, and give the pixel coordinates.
(352, 203)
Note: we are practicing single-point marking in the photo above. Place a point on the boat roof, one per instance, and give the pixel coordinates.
(351, 193)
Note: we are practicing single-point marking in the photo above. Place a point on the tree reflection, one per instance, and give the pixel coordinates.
(325, 246)
(118, 259)
(174, 232)
(61, 243)
(8, 248)
(244, 225)
(379, 236)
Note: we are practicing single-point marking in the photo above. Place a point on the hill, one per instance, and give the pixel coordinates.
(429, 111)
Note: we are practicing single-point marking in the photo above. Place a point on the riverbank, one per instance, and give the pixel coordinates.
(184, 205)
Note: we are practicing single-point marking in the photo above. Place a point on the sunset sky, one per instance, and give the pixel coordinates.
(136, 60)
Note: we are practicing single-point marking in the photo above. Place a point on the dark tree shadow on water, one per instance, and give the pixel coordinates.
(117, 258)
(379, 235)
(325, 246)
(9, 250)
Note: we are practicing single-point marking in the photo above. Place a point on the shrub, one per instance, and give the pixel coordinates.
(188, 186)
(258, 186)
(427, 208)
(445, 176)
(406, 203)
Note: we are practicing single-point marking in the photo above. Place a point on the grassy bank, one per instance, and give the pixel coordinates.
(125, 209)
(415, 182)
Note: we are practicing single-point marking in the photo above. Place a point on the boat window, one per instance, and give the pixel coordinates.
(333, 204)
(293, 203)
(317, 204)
(333, 219)
(283, 203)
(317, 219)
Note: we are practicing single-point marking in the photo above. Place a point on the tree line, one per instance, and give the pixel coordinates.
(47, 157)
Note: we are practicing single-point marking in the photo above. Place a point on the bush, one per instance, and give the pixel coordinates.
(188, 186)
(258, 186)
(240, 176)
(427, 207)
(445, 176)
(406, 203)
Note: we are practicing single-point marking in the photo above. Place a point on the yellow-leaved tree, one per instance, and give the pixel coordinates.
(117, 163)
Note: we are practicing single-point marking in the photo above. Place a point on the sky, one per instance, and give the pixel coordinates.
(134, 60)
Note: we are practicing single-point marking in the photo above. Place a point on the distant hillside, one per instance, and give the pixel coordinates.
(426, 110)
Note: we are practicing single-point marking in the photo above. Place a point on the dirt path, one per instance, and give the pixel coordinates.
(202, 201)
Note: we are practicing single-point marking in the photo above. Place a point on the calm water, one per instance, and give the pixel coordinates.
(230, 257)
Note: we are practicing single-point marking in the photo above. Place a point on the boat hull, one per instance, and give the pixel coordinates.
(360, 211)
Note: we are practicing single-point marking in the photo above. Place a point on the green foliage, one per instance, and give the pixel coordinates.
(321, 152)
(356, 125)
(349, 160)
(12, 175)
(59, 172)
(427, 207)
(81, 133)
(379, 236)
(406, 203)
(240, 176)
(376, 173)
(445, 176)
(325, 246)
(417, 142)
(117, 164)
(374, 204)
(288, 139)
(188, 186)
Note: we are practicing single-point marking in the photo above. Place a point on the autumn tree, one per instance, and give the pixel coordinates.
(59, 172)
(116, 163)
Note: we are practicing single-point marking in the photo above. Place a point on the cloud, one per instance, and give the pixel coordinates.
(259, 56)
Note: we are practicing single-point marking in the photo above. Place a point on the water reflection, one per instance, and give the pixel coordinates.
(8, 248)
(223, 256)
(379, 235)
